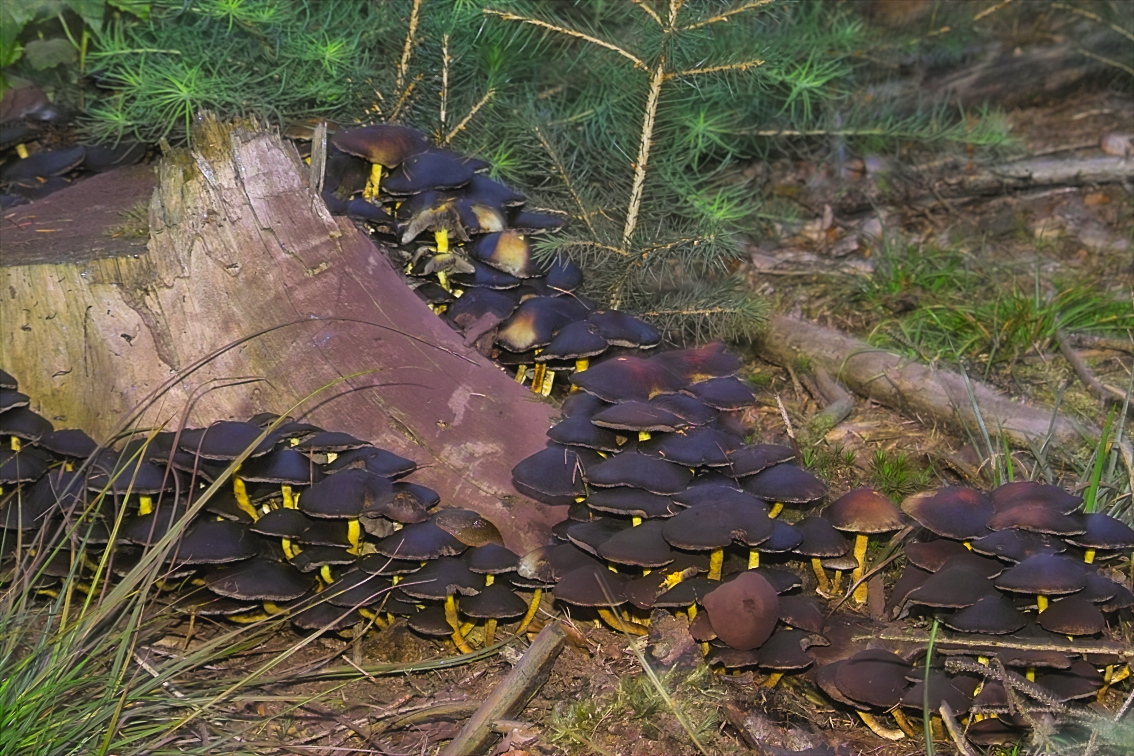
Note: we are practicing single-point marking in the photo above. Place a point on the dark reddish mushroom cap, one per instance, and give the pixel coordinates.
(744, 611)
(953, 512)
(384, 143)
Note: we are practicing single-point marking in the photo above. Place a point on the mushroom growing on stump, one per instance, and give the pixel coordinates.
(863, 512)
(384, 145)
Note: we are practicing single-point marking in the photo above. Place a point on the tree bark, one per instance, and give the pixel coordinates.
(239, 246)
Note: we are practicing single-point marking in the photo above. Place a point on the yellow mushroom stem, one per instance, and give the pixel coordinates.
(271, 607)
(821, 576)
(537, 376)
(354, 536)
(876, 726)
(145, 505)
(1030, 674)
(455, 623)
(489, 631)
(289, 500)
(776, 509)
(443, 279)
(521, 374)
(621, 625)
(692, 612)
(716, 564)
(1041, 603)
(582, 364)
(290, 550)
(837, 582)
(753, 559)
(22, 151)
(371, 190)
(772, 680)
(1089, 557)
(900, 718)
(635, 521)
(241, 494)
(860, 541)
(15, 444)
(374, 617)
(248, 618)
(533, 607)
(548, 382)
(441, 236)
(643, 435)
(325, 573)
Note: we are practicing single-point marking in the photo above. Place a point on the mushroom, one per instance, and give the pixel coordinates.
(820, 541)
(384, 145)
(1044, 575)
(863, 512)
(743, 611)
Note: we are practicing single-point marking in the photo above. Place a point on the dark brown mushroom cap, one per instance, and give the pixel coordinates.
(507, 251)
(754, 458)
(1080, 680)
(376, 460)
(384, 143)
(484, 277)
(825, 679)
(1017, 545)
(638, 416)
(431, 169)
(360, 209)
(7, 381)
(624, 330)
(111, 472)
(863, 510)
(634, 469)
(708, 526)
(535, 323)
(24, 424)
(497, 601)
(1035, 518)
(555, 471)
(284, 466)
(708, 492)
(325, 617)
(563, 275)
(316, 557)
(420, 541)
(631, 502)
(1046, 495)
(957, 691)
(931, 555)
(477, 304)
(325, 533)
(377, 564)
(912, 577)
(786, 650)
(686, 593)
(550, 563)
(820, 539)
(428, 211)
(485, 190)
(442, 577)
(282, 523)
(345, 495)
(536, 223)
(43, 164)
(1100, 589)
(326, 442)
(1101, 531)
(727, 393)
(588, 535)
(641, 546)
(1044, 574)
(578, 430)
(994, 731)
(69, 442)
(36, 505)
(430, 621)
(690, 409)
(23, 466)
(953, 586)
(743, 611)
(214, 542)
(591, 585)
(355, 588)
(692, 447)
(786, 483)
(785, 537)
(627, 378)
(226, 440)
(1072, 615)
(992, 614)
(953, 512)
(574, 341)
(873, 678)
(782, 580)
(469, 527)
(712, 360)
(491, 559)
(10, 399)
(803, 612)
(260, 579)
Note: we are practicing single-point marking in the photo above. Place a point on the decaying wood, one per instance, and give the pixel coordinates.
(509, 697)
(839, 402)
(237, 247)
(918, 390)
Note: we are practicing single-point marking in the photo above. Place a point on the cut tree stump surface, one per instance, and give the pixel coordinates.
(239, 246)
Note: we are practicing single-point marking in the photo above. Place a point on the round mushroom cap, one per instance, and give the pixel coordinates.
(785, 537)
(326, 442)
(638, 416)
(693, 447)
(624, 330)
(7, 381)
(574, 341)
(430, 621)
(957, 691)
(69, 442)
(1101, 531)
(325, 617)
(631, 502)
(283, 466)
(628, 378)
(873, 678)
(497, 601)
(260, 579)
(578, 430)
(992, 614)
(632, 468)
(641, 546)
(1017, 545)
(1046, 495)
(23, 466)
(346, 495)
(1072, 615)
(430, 169)
(820, 538)
(491, 559)
(864, 510)
(591, 585)
(954, 586)
(442, 577)
(953, 512)
(356, 588)
(754, 458)
(469, 527)
(226, 440)
(590, 534)
(24, 424)
(709, 526)
(786, 483)
(214, 542)
(744, 611)
(556, 471)
(1035, 518)
(507, 251)
(1080, 680)
(376, 460)
(535, 323)
(384, 143)
(1044, 574)
(420, 541)
(727, 393)
(712, 360)
(932, 555)
(282, 523)
(688, 408)
(803, 612)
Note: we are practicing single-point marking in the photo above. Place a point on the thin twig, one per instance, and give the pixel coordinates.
(465, 121)
(644, 143)
(1090, 382)
(726, 15)
(411, 34)
(569, 32)
(954, 729)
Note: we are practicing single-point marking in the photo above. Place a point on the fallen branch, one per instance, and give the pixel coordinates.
(1104, 394)
(839, 402)
(512, 694)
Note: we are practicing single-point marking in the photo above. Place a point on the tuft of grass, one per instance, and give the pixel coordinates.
(895, 475)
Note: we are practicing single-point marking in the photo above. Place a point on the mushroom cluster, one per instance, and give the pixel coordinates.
(315, 523)
(465, 242)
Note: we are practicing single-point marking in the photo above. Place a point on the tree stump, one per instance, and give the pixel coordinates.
(242, 255)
